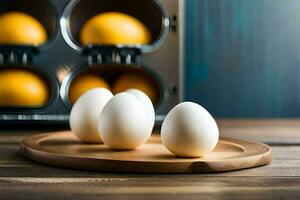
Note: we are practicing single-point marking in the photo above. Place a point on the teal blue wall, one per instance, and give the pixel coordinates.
(243, 57)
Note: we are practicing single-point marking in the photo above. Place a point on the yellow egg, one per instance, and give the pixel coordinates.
(135, 81)
(22, 88)
(84, 83)
(114, 28)
(21, 29)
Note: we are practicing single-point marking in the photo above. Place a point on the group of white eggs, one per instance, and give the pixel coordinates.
(125, 121)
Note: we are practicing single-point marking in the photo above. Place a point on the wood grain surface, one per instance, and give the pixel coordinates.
(24, 179)
(65, 150)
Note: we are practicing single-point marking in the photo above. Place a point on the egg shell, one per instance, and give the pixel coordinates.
(189, 131)
(147, 103)
(85, 114)
(123, 122)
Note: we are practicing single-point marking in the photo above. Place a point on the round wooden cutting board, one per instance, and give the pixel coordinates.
(64, 150)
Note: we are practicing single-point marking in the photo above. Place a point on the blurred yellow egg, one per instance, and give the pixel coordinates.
(114, 28)
(22, 88)
(21, 29)
(135, 81)
(84, 83)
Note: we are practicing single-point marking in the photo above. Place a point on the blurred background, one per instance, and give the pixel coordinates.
(242, 57)
(237, 58)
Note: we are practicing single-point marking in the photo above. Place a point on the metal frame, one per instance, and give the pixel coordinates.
(66, 32)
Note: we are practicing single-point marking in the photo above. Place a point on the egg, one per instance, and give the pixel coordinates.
(189, 131)
(147, 103)
(114, 28)
(19, 28)
(85, 114)
(123, 123)
(23, 88)
(136, 81)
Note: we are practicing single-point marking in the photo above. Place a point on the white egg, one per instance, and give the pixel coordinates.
(85, 114)
(123, 122)
(189, 131)
(147, 103)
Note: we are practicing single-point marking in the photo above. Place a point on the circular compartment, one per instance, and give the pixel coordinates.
(50, 82)
(149, 12)
(42, 10)
(111, 72)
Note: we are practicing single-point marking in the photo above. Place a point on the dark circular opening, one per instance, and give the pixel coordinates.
(48, 81)
(111, 73)
(42, 10)
(149, 12)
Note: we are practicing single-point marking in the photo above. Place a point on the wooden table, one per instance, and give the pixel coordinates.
(23, 179)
